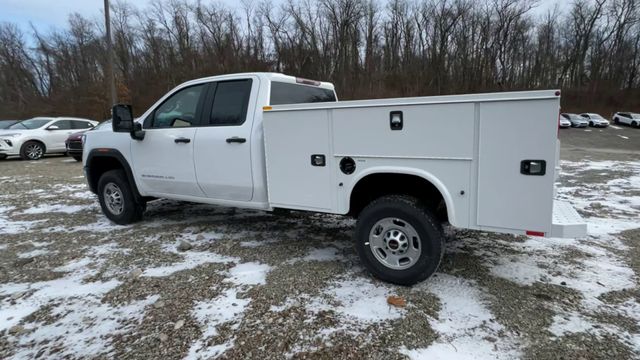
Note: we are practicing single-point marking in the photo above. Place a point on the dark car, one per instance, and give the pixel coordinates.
(6, 123)
(74, 141)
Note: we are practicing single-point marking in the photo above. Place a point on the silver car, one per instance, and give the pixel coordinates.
(575, 120)
(595, 120)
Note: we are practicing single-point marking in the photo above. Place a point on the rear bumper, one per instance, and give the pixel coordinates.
(567, 223)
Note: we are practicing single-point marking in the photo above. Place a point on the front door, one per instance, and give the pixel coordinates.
(163, 160)
(223, 141)
(58, 132)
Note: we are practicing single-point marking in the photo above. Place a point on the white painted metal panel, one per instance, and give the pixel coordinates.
(290, 140)
(435, 131)
(510, 132)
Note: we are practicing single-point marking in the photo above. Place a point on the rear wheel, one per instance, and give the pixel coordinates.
(635, 124)
(3, 156)
(117, 200)
(32, 150)
(591, 123)
(399, 240)
(77, 157)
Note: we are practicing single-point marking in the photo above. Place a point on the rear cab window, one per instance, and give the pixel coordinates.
(287, 93)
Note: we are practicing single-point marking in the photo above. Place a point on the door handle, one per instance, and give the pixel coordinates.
(182, 140)
(236, 139)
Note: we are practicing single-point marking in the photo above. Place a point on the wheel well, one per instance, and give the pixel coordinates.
(44, 147)
(98, 166)
(374, 186)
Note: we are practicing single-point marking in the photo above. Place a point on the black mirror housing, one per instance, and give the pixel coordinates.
(122, 118)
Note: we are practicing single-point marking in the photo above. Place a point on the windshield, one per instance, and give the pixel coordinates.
(29, 124)
(596, 116)
(635, 116)
(573, 116)
(6, 123)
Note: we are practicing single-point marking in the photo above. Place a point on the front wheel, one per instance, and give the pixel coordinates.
(117, 200)
(77, 158)
(32, 150)
(399, 240)
(3, 156)
(635, 124)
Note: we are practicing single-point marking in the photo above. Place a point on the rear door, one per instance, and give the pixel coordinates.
(516, 164)
(163, 160)
(222, 148)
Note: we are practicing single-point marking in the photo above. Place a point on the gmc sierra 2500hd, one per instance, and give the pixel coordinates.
(401, 166)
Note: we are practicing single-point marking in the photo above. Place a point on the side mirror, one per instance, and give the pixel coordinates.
(122, 118)
(53, 127)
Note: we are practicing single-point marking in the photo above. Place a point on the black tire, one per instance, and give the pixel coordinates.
(409, 211)
(77, 158)
(591, 124)
(131, 210)
(635, 124)
(32, 150)
(3, 156)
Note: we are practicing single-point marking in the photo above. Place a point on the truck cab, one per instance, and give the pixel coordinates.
(203, 140)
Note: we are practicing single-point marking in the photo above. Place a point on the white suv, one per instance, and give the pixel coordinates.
(33, 138)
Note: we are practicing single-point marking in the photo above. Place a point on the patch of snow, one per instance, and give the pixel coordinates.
(464, 323)
(88, 324)
(324, 254)
(359, 301)
(190, 260)
(8, 226)
(56, 208)
(34, 253)
(250, 273)
(624, 137)
(212, 313)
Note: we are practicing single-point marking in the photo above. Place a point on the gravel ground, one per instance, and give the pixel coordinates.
(200, 281)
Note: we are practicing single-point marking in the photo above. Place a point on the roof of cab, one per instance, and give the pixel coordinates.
(269, 76)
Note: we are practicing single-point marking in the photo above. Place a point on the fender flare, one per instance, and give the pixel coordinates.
(114, 154)
(448, 200)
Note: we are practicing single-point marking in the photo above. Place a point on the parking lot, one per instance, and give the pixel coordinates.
(200, 281)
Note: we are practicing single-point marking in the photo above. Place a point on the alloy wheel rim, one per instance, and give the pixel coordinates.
(34, 151)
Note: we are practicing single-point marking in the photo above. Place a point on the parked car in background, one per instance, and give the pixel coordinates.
(564, 123)
(595, 120)
(74, 141)
(627, 118)
(575, 119)
(6, 123)
(31, 139)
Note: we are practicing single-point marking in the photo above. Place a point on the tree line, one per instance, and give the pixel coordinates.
(367, 48)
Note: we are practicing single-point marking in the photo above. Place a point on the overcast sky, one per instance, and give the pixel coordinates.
(49, 14)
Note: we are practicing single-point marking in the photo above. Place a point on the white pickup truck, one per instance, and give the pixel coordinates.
(401, 166)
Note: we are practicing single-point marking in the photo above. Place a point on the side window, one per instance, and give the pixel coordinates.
(179, 110)
(286, 93)
(77, 124)
(230, 102)
(63, 124)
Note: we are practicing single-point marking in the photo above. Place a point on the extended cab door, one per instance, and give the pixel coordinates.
(222, 150)
(163, 160)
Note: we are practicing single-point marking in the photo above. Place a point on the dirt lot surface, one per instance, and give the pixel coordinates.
(200, 281)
